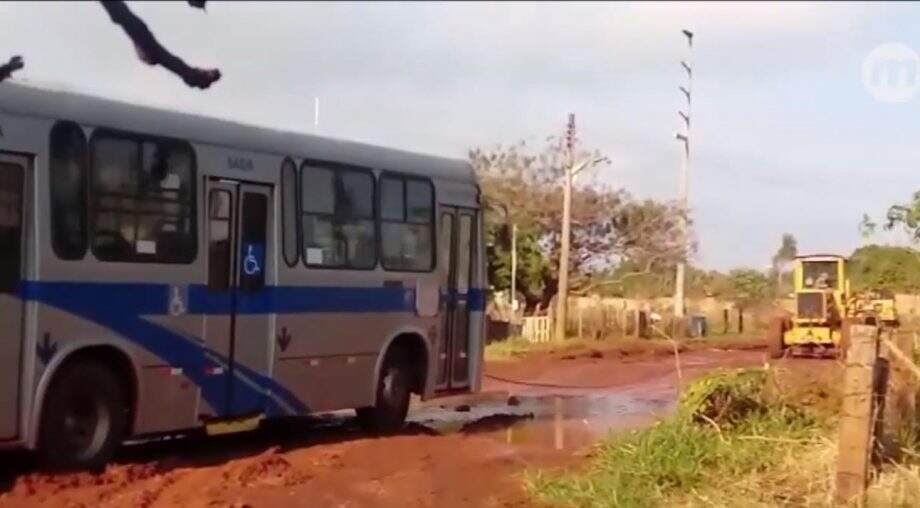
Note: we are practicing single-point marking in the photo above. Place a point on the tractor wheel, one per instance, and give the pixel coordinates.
(775, 332)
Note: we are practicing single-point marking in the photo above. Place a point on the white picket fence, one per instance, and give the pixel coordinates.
(537, 328)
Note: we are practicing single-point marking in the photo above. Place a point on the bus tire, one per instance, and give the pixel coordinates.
(393, 391)
(84, 417)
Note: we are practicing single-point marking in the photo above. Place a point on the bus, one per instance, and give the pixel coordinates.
(162, 272)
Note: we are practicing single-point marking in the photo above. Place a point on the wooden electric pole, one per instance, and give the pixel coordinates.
(571, 171)
(563, 293)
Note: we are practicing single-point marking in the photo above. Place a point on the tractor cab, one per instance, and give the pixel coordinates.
(821, 290)
(821, 293)
(824, 309)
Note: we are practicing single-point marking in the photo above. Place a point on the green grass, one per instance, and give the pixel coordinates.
(726, 428)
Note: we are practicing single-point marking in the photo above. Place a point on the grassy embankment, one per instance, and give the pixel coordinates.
(738, 439)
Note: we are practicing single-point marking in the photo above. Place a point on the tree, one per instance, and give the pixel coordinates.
(882, 268)
(149, 50)
(608, 227)
(787, 252)
(647, 236)
(531, 265)
(748, 285)
(905, 216)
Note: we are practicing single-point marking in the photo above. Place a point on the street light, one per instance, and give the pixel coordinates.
(684, 169)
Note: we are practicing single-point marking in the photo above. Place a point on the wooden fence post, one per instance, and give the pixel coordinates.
(900, 390)
(857, 417)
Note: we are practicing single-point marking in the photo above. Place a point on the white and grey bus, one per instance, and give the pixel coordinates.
(162, 271)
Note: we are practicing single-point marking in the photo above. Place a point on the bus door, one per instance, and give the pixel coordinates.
(12, 233)
(456, 253)
(240, 263)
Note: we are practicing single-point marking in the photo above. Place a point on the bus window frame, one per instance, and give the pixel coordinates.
(84, 183)
(336, 168)
(405, 177)
(91, 198)
(298, 234)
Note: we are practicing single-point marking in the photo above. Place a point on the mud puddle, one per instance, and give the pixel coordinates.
(555, 421)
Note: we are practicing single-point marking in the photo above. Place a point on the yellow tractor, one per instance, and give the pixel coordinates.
(824, 309)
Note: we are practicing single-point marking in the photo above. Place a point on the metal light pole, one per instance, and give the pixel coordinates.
(316, 112)
(684, 169)
(514, 267)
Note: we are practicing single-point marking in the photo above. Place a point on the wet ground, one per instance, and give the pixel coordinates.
(543, 411)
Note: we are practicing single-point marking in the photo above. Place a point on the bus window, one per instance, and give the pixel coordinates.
(143, 199)
(11, 180)
(67, 168)
(219, 205)
(338, 218)
(254, 215)
(289, 211)
(464, 252)
(406, 228)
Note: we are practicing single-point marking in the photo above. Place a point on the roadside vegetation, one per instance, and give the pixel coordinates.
(736, 440)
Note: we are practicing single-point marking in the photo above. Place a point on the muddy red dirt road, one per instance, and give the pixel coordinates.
(473, 456)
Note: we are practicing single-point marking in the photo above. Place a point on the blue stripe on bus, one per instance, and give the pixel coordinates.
(122, 307)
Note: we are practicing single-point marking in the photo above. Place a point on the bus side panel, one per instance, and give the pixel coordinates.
(166, 399)
(127, 306)
(330, 359)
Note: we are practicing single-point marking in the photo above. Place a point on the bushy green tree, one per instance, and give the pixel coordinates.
(748, 285)
(531, 265)
(894, 269)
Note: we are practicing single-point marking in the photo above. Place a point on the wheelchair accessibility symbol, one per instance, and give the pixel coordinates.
(178, 295)
(252, 261)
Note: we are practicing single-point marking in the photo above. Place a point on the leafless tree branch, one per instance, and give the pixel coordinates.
(7, 69)
(620, 280)
(150, 51)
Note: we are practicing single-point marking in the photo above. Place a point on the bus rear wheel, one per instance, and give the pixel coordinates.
(84, 417)
(392, 401)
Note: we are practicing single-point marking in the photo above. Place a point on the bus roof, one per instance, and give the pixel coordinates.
(28, 100)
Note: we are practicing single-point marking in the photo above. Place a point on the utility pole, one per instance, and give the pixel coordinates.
(563, 292)
(683, 180)
(513, 267)
(571, 170)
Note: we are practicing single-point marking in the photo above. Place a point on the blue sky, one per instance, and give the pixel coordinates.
(785, 139)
